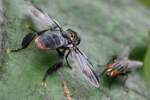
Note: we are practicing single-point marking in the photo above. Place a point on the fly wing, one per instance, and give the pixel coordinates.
(126, 65)
(132, 65)
(40, 19)
(86, 67)
(124, 54)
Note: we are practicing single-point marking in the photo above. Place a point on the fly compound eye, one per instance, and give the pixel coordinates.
(73, 35)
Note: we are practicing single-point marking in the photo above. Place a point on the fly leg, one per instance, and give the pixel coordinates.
(103, 72)
(25, 42)
(123, 81)
(66, 57)
(54, 67)
(111, 81)
(28, 39)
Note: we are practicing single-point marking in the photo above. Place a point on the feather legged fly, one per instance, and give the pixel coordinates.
(65, 42)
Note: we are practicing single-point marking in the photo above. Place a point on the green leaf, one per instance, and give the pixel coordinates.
(147, 64)
(105, 26)
(145, 2)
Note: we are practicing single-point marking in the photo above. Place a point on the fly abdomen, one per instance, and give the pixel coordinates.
(51, 40)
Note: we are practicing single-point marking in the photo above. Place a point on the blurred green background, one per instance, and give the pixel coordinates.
(105, 26)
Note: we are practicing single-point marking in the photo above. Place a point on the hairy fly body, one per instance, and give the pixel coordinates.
(120, 66)
(65, 42)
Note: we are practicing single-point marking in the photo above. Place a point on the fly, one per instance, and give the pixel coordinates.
(120, 65)
(65, 42)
